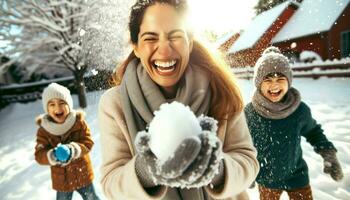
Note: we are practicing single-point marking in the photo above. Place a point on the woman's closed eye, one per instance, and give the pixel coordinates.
(175, 37)
(150, 39)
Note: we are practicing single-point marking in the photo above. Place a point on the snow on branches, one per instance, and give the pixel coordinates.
(74, 34)
(44, 32)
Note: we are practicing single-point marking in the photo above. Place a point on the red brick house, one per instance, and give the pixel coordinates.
(322, 26)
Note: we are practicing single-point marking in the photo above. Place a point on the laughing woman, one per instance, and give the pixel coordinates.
(167, 65)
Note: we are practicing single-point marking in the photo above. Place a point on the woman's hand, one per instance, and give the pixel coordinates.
(206, 165)
(146, 162)
(195, 162)
(183, 157)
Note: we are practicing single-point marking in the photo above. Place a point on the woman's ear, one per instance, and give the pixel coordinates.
(134, 46)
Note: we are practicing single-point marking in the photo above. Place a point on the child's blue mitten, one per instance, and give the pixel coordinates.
(62, 153)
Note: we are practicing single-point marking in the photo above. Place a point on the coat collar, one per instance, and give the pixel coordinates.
(59, 129)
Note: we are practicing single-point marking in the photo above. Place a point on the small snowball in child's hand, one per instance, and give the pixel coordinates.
(62, 152)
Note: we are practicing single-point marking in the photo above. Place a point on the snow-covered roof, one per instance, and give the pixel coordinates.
(220, 41)
(257, 28)
(312, 16)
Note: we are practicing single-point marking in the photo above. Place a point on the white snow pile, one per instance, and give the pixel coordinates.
(171, 124)
(309, 56)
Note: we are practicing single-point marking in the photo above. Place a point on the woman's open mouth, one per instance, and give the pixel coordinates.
(165, 68)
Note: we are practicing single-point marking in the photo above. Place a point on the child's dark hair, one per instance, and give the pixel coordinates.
(139, 8)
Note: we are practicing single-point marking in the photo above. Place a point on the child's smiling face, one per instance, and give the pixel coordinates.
(274, 87)
(58, 110)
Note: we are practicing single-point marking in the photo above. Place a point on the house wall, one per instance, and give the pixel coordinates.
(342, 25)
(317, 43)
(327, 44)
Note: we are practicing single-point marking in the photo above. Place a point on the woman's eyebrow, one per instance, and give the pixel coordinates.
(156, 34)
(149, 33)
(175, 31)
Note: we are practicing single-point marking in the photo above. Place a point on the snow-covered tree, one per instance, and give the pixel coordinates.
(47, 34)
(264, 5)
(70, 34)
(14, 71)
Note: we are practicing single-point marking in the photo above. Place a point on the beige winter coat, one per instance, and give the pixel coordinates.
(119, 180)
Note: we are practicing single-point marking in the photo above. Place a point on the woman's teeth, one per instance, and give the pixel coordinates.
(165, 64)
(165, 67)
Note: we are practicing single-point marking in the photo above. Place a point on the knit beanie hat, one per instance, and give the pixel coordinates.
(272, 61)
(58, 91)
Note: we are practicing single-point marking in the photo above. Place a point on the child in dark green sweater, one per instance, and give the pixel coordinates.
(277, 119)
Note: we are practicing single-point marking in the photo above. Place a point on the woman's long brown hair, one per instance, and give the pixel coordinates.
(226, 97)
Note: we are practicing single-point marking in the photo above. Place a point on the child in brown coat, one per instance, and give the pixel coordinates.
(63, 142)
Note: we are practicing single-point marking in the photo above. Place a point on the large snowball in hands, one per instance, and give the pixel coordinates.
(172, 124)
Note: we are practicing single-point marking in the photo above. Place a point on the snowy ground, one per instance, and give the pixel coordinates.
(22, 178)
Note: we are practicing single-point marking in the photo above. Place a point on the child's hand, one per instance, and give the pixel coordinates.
(52, 158)
(331, 164)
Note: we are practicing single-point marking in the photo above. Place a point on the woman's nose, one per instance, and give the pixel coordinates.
(164, 48)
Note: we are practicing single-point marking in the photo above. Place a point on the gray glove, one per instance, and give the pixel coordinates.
(151, 172)
(206, 165)
(195, 162)
(331, 164)
(145, 164)
(184, 155)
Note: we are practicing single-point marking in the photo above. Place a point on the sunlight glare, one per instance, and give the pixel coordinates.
(221, 16)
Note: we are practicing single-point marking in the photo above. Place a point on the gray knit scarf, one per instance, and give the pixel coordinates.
(277, 110)
(141, 96)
